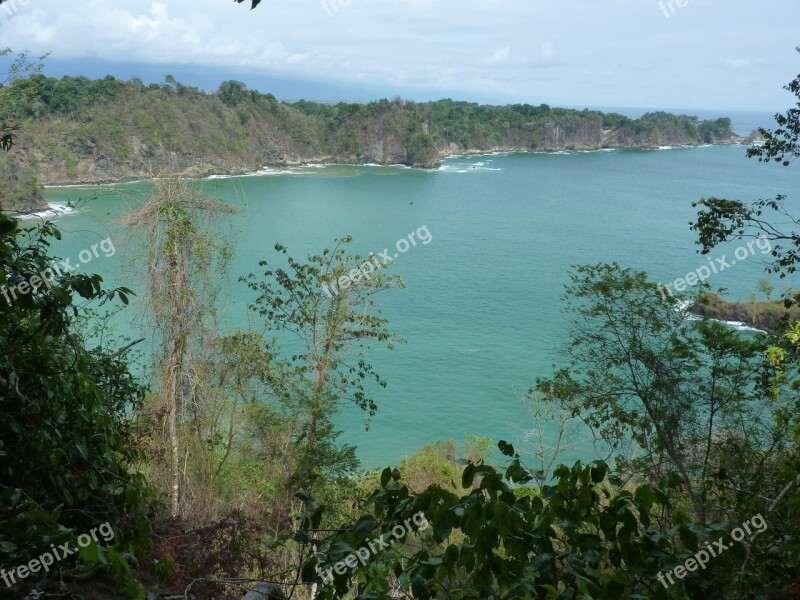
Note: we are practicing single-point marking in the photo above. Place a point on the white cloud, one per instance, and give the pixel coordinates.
(547, 51)
(578, 52)
(739, 63)
(500, 56)
(103, 31)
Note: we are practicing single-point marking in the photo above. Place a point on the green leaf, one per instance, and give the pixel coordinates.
(507, 449)
(84, 452)
(7, 225)
(89, 554)
(468, 476)
(599, 471)
(404, 581)
(341, 547)
(589, 541)
(451, 555)
(365, 525)
(304, 496)
(420, 589)
(386, 476)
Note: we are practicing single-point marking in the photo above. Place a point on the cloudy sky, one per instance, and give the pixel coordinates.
(707, 54)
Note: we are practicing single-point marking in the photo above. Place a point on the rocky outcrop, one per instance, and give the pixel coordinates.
(20, 192)
(763, 315)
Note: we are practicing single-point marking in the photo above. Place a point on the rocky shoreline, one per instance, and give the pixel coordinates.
(204, 172)
(758, 315)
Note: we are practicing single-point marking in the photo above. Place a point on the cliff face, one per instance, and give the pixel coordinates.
(123, 130)
(20, 192)
(763, 315)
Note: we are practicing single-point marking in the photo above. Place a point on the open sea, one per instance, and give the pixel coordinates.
(481, 313)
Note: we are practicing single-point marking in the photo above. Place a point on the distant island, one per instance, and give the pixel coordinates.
(78, 130)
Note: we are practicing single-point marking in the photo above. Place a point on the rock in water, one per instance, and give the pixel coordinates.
(265, 591)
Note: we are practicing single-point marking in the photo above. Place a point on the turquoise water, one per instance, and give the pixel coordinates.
(481, 310)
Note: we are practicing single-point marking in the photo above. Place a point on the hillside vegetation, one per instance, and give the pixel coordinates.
(766, 315)
(82, 130)
(21, 191)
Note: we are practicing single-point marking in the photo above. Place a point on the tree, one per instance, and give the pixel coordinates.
(326, 305)
(180, 258)
(232, 92)
(641, 372)
(584, 537)
(722, 220)
(19, 68)
(67, 454)
(767, 288)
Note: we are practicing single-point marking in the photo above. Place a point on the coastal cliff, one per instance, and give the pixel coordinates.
(20, 192)
(76, 130)
(764, 315)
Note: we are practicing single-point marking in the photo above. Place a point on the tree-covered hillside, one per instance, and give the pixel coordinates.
(77, 129)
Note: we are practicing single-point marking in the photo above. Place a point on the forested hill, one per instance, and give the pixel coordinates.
(79, 130)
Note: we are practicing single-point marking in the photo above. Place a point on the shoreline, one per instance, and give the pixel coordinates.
(468, 153)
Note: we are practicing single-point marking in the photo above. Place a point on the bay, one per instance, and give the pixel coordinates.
(481, 312)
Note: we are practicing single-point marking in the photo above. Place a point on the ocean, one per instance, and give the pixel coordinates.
(482, 309)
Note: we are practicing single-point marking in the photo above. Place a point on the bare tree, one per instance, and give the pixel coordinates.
(179, 257)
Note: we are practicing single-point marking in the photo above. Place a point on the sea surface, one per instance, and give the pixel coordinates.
(482, 309)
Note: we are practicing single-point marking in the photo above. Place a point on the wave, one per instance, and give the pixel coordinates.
(96, 185)
(737, 325)
(55, 210)
(269, 172)
(571, 152)
(307, 169)
(468, 168)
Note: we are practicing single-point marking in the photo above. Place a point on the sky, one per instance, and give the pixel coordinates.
(693, 54)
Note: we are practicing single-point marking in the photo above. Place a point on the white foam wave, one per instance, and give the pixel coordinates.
(468, 168)
(56, 210)
(95, 185)
(737, 325)
(267, 172)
